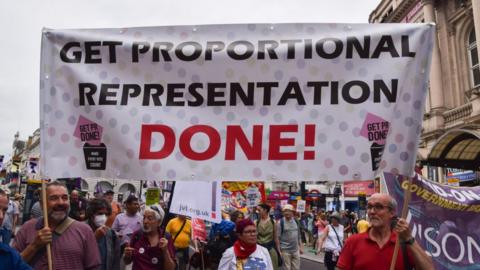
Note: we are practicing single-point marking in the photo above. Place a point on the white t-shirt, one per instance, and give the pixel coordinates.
(260, 259)
(331, 242)
(12, 210)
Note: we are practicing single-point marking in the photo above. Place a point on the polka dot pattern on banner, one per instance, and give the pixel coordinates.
(340, 147)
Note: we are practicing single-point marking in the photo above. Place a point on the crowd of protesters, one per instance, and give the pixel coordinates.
(100, 234)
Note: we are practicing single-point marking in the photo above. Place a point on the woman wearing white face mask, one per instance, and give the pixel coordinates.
(107, 240)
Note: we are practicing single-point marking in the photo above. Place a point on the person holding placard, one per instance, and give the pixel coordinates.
(74, 245)
(151, 248)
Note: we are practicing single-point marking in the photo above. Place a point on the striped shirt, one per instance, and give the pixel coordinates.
(74, 249)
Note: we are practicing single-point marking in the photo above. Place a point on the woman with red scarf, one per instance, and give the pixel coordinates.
(245, 253)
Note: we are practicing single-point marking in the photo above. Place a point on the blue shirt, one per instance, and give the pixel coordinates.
(11, 260)
(225, 227)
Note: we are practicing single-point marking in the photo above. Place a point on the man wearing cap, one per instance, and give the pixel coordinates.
(116, 209)
(127, 223)
(374, 248)
(289, 235)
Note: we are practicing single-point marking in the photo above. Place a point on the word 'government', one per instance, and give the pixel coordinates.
(98, 52)
(238, 94)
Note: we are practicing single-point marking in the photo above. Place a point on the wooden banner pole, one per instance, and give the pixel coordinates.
(406, 201)
(45, 222)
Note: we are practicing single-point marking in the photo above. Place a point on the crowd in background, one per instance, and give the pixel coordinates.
(133, 235)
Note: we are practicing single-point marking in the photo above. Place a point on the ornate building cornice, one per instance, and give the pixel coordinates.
(402, 10)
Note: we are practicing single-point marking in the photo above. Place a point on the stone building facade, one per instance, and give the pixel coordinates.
(450, 139)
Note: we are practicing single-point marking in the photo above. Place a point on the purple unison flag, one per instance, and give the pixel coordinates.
(444, 220)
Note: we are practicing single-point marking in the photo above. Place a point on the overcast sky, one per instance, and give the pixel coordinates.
(22, 21)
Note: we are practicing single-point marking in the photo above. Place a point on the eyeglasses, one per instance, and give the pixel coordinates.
(377, 207)
(250, 232)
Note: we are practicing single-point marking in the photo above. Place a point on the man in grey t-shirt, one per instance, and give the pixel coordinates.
(289, 235)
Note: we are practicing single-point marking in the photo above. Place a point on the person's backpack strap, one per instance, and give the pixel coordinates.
(179, 231)
(338, 238)
(298, 226)
(282, 226)
(271, 220)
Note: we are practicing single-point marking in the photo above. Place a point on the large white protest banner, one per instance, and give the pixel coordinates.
(233, 102)
(198, 199)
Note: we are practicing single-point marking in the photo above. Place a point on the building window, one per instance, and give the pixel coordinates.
(460, 4)
(473, 56)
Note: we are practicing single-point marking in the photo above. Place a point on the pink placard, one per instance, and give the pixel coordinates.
(375, 129)
(88, 131)
(199, 230)
(353, 188)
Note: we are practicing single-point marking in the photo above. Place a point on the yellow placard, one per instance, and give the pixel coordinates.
(152, 196)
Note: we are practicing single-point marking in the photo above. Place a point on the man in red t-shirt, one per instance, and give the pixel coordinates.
(374, 249)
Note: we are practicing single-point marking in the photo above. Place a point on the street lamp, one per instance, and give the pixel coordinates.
(290, 185)
(337, 191)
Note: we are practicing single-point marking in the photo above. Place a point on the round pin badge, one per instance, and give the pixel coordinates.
(154, 260)
(141, 250)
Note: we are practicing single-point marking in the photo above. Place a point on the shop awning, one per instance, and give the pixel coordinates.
(459, 148)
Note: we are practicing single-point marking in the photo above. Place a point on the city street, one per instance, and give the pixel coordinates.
(311, 261)
(308, 264)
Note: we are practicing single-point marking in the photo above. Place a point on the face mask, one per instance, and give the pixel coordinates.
(100, 220)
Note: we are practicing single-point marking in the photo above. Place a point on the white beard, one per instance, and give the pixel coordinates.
(58, 216)
(146, 230)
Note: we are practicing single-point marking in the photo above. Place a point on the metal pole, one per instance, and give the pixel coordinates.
(167, 214)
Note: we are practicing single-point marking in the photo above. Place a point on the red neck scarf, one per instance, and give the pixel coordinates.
(243, 250)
